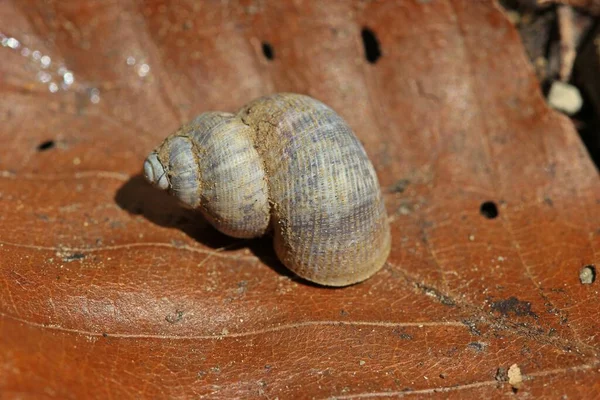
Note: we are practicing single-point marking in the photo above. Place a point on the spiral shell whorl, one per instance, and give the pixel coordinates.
(290, 163)
(173, 165)
(234, 195)
(329, 219)
(154, 172)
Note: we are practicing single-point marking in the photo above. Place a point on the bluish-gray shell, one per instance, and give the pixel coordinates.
(290, 163)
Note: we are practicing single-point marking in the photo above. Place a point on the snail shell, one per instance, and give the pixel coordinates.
(289, 163)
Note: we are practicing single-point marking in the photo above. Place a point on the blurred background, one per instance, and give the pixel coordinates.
(563, 44)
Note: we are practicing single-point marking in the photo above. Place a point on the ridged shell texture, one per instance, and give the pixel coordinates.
(289, 163)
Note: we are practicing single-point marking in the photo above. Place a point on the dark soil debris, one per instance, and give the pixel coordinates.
(472, 327)
(442, 298)
(400, 186)
(175, 317)
(477, 346)
(514, 306)
(73, 257)
(501, 375)
(402, 334)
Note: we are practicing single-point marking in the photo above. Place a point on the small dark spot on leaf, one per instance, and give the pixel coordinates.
(73, 257)
(512, 305)
(477, 346)
(268, 51)
(42, 217)
(372, 49)
(104, 334)
(489, 210)
(47, 145)
(401, 334)
(344, 313)
(400, 186)
(548, 201)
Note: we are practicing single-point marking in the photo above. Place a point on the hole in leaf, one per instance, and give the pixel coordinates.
(47, 145)
(587, 275)
(372, 49)
(489, 210)
(268, 51)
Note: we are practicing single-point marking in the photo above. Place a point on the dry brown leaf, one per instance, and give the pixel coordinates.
(110, 290)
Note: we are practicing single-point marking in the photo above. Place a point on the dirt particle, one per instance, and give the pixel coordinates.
(587, 275)
(436, 294)
(501, 375)
(175, 317)
(477, 346)
(405, 209)
(512, 305)
(400, 186)
(73, 257)
(472, 327)
(514, 377)
(402, 334)
(362, 362)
